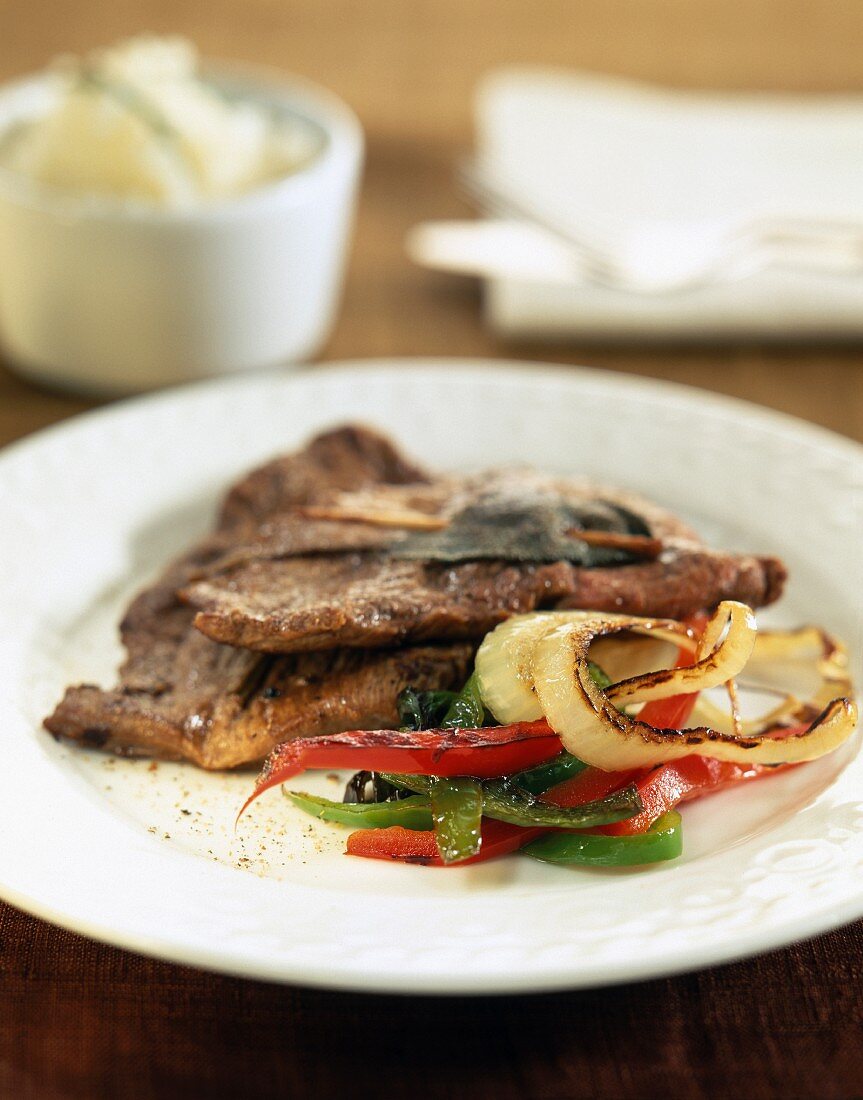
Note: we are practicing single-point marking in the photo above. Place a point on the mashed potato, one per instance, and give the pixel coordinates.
(135, 122)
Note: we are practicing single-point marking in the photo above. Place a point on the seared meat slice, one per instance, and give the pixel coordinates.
(346, 459)
(182, 696)
(507, 542)
(225, 707)
(312, 603)
(362, 600)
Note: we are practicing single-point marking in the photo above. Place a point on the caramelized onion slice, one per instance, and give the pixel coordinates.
(504, 660)
(727, 645)
(807, 668)
(592, 728)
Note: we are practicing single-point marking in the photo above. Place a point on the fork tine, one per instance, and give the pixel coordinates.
(493, 196)
(741, 251)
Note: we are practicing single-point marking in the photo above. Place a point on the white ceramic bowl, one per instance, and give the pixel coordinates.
(116, 297)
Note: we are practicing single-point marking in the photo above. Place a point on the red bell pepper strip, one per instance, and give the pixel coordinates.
(660, 789)
(412, 846)
(668, 714)
(589, 785)
(666, 786)
(485, 753)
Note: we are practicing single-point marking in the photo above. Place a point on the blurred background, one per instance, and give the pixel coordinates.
(79, 1013)
(410, 70)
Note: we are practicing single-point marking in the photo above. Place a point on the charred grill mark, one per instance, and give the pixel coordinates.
(96, 737)
(700, 735)
(254, 680)
(660, 676)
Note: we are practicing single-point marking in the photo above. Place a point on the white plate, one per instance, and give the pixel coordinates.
(90, 510)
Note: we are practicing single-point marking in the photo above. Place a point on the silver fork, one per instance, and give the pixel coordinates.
(799, 243)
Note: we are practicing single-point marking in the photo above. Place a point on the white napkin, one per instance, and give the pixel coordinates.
(641, 169)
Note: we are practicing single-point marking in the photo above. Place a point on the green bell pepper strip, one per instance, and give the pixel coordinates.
(662, 841)
(466, 710)
(504, 802)
(538, 780)
(456, 806)
(457, 802)
(599, 676)
(410, 813)
(420, 710)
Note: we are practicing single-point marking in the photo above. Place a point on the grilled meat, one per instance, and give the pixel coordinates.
(342, 573)
(469, 553)
(182, 696)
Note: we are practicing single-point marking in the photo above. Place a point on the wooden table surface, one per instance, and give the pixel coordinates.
(81, 1020)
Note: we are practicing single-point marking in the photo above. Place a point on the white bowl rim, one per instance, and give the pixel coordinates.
(342, 150)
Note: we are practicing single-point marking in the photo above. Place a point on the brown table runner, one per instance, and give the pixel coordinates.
(83, 1020)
